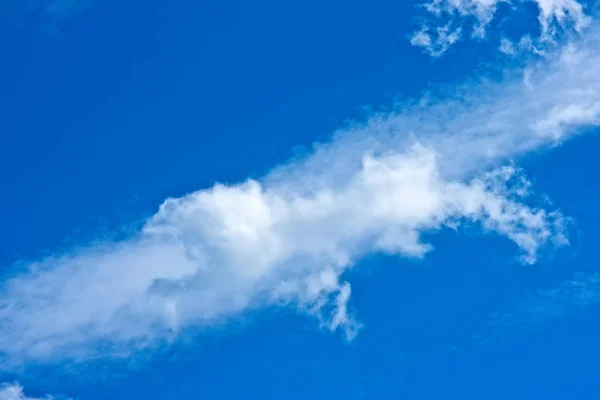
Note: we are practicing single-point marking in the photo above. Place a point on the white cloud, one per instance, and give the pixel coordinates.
(436, 44)
(14, 391)
(562, 12)
(444, 16)
(507, 47)
(288, 238)
(524, 45)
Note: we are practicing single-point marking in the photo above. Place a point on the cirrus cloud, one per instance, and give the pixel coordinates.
(446, 21)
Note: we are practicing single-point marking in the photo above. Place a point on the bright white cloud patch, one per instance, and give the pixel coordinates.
(288, 238)
(14, 391)
(448, 20)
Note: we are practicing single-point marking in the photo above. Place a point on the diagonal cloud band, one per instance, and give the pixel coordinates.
(288, 238)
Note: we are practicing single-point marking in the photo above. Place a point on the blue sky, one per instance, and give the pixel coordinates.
(326, 200)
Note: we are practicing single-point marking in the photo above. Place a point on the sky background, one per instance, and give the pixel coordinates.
(108, 108)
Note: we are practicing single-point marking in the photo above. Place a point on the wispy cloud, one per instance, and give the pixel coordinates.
(446, 21)
(580, 292)
(55, 9)
(288, 238)
(534, 311)
(526, 316)
(50, 13)
(62, 9)
(14, 391)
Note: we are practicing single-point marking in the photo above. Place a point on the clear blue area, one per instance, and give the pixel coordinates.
(109, 111)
